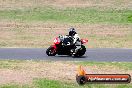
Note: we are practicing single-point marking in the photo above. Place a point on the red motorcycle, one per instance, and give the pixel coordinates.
(64, 46)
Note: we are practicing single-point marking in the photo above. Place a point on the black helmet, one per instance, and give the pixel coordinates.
(72, 32)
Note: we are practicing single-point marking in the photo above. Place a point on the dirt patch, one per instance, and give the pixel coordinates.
(20, 34)
(26, 72)
(15, 4)
(65, 71)
(63, 28)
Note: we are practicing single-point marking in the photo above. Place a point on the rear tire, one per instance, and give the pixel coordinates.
(51, 51)
(81, 51)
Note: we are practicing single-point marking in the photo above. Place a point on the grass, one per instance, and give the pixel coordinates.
(113, 29)
(12, 64)
(26, 35)
(16, 64)
(19, 64)
(121, 65)
(46, 83)
(9, 86)
(69, 15)
(39, 66)
(14, 86)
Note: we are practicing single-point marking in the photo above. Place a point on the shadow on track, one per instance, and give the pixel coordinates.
(67, 56)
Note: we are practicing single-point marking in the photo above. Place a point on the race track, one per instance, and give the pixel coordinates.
(99, 54)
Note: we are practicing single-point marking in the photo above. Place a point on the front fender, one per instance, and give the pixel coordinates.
(53, 46)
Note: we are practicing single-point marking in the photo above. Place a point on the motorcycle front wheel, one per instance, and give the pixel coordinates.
(51, 51)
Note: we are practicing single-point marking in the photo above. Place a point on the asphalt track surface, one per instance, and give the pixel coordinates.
(99, 54)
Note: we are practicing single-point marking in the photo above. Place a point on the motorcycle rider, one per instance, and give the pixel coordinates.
(76, 40)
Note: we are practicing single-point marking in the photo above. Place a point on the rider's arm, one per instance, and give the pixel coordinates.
(75, 38)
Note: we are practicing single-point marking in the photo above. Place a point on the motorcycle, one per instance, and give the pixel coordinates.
(63, 46)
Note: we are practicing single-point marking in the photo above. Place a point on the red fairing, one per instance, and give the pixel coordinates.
(54, 46)
(84, 41)
(57, 41)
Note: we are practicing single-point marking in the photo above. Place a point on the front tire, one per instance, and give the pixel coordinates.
(51, 51)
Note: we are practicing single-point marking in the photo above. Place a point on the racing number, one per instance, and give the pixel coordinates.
(68, 43)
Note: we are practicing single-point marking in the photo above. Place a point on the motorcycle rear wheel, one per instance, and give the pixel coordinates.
(80, 52)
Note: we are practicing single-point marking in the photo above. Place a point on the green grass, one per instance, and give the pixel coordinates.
(9, 86)
(18, 64)
(121, 65)
(14, 86)
(46, 83)
(69, 15)
(14, 64)
(11, 64)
